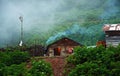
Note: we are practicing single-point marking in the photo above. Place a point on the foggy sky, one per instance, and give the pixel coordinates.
(36, 13)
(43, 14)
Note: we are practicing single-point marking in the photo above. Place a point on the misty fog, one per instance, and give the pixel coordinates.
(42, 14)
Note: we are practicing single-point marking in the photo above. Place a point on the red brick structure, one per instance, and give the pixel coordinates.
(62, 47)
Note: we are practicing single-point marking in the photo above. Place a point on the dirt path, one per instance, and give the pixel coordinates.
(57, 64)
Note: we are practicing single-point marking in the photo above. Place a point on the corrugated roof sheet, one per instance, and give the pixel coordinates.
(111, 27)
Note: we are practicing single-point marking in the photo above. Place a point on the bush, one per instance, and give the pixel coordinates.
(40, 68)
(89, 69)
(1, 69)
(16, 57)
(115, 68)
(78, 56)
(15, 70)
(84, 54)
(102, 61)
(5, 58)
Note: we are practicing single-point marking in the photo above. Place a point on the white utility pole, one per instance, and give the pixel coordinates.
(21, 38)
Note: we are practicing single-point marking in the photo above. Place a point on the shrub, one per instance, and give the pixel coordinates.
(102, 61)
(40, 68)
(115, 68)
(78, 56)
(16, 57)
(89, 69)
(1, 69)
(5, 58)
(84, 54)
(15, 70)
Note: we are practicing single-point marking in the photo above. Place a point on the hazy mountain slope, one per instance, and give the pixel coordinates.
(81, 20)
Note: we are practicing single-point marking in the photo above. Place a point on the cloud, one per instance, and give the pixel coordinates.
(40, 14)
(36, 13)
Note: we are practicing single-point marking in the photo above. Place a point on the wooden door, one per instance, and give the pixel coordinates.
(57, 51)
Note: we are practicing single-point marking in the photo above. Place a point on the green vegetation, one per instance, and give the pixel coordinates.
(14, 63)
(40, 68)
(14, 70)
(16, 57)
(85, 61)
(88, 16)
(98, 61)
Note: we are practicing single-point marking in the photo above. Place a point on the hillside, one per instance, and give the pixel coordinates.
(80, 20)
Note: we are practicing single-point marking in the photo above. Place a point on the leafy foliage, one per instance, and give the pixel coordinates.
(1, 69)
(16, 57)
(15, 70)
(98, 61)
(13, 64)
(40, 68)
(89, 69)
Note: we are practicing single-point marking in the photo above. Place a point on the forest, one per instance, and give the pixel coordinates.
(80, 20)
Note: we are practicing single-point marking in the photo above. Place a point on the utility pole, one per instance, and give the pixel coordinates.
(21, 38)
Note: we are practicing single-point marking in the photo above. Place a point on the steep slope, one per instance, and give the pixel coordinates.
(57, 64)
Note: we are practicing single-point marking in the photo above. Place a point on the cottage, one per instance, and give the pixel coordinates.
(62, 47)
(112, 32)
